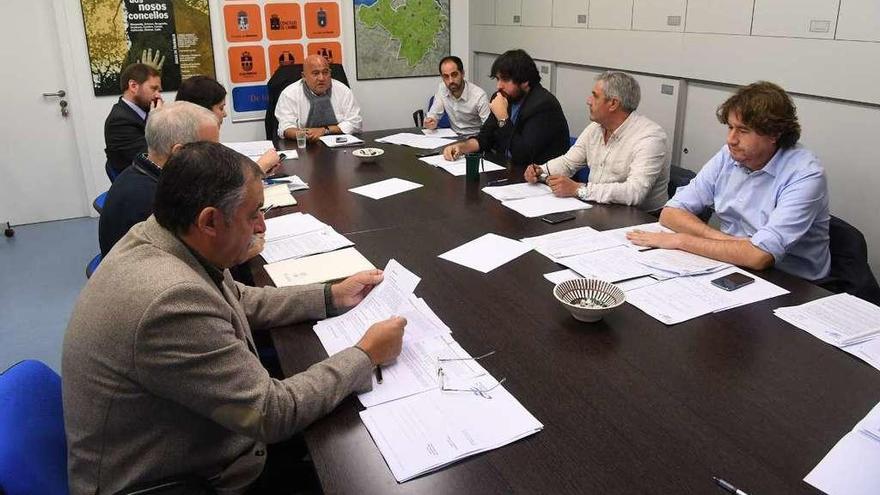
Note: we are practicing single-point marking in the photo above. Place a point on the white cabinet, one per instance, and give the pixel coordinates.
(508, 12)
(610, 14)
(482, 12)
(659, 15)
(537, 13)
(795, 18)
(859, 20)
(570, 13)
(719, 16)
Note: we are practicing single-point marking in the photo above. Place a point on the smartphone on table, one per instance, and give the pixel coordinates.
(555, 218)
(733, 281)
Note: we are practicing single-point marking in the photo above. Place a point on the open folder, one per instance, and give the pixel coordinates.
(318, 268)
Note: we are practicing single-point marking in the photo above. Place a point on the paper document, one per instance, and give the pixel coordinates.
(517, 191)
(614, 264)
(278, 195)
(620, 234)
(486, 253)
(339, 140)
(560, 276)
(678, 263)
(841, 319)
(440, 133)
(319, 241)
(683, 298)
(570, 242)
(385, 188)
(425, 432)
(544, 205)
(291, 225)
(416, 140)
(293, 182)
(252, 149)
(852, 467)
(459, 167)
(318, 268)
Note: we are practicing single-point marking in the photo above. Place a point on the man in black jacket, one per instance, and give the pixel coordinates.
(526, 124)
(124, 127)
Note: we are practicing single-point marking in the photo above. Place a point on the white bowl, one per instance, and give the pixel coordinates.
(368, 155)
(589, 299)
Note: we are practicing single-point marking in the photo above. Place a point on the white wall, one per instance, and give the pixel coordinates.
(385, 104)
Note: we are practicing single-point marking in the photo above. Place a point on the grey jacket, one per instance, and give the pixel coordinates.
(161, 376)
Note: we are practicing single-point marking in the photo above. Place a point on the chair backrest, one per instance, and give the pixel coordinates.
(283, 77)
(679, 177)
(443, 123)
(850, 271)
(33, 449)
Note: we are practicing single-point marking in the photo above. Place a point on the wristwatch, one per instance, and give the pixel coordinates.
(502, 122)
(582, 193)
(327, 129)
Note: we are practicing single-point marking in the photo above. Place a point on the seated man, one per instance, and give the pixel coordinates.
(464, 103)
(206, 92)
(130, 198)
(770, 194)
(526, 123)
(317, 103)
(160, 373)
(124, 127)
(626, 152)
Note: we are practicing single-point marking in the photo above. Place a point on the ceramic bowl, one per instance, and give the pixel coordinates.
(589, 299)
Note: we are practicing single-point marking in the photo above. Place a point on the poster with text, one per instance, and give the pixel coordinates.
(172, 35)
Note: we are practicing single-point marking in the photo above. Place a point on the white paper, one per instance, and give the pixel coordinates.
(486, 253)
(319, 241)
(611, 265)
(620, 234)
(570, 242)
(440, 133)
(517, 191)
(683, 298)
(293, 182)
(291, 225)
(567, 274)
(385, 188)
(560, 276)
(278, 195)
(678, 262)
(544, 205)
(852, 467)
(840, 319)
(459, 167)
(251, 148)
(416, 140)
(337, 140)
(318, 268)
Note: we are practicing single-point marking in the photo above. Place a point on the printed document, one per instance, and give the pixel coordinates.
(252, 149)
(620, 234)
(291, 225)
(278, 195)
(544, 205)
(517, 191)
(459, 167)
(840, 320)
(852, 467)
(338, 140)
(318, 241)
(487, 252)
(570, 242)
(440, 133)
(611, 265)
(318, 268)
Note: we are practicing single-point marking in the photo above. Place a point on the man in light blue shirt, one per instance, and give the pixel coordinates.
(769, 193)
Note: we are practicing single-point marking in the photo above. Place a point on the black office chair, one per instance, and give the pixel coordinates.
(283, 77)
(679, 177)
(850, 271)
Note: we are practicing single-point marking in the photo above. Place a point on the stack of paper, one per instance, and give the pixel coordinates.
(337, 140)
(613, 265)
(533, 200)
(620, 234)
(385, 188)
(459, 167)
(252, 149)
(440, 133)
(852, 467)
(416, 140)
(571, 242)
(297, 235)
(293, 182)
(668, 263)
(487, 252)
(318, 268)
(567, 274)
(517, 191)
(278, 195)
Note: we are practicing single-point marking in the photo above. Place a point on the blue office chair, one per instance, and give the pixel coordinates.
(98, 203)
(582, 175)
(419, 117)
(33, 449)
(93, 265)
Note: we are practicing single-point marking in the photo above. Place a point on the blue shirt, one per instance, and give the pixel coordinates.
(138, 110)
(782, 208)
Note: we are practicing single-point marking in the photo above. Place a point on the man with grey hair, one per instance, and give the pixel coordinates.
(625, 151)
(130, 198)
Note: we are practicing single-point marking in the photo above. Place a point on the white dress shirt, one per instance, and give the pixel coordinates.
(466, 113)
(632, 168)
(293, 108)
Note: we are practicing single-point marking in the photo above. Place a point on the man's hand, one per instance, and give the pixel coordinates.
(452, 152)
(269, 162)
(499, 106)
(153, 61)
(383, 340)
(354, 289)
(562, 186)
(663, 240)
(532, 173)
(157, 102)
(314, 133)
(430, 123)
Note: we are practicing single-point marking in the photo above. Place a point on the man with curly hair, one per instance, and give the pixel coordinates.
(769, 193)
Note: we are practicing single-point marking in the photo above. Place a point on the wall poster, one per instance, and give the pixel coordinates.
(173, 35)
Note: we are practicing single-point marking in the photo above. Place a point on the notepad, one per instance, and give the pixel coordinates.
(318, 268)
(278, 195)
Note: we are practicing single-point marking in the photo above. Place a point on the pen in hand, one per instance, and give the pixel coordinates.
(378, 374)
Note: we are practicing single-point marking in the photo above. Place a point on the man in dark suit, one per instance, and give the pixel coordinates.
(124, 127)
(526, 123)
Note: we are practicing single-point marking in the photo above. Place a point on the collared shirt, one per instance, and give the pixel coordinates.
(466, 113)
(782, 208)
(632, 168)
(293, 108)
(138, 110)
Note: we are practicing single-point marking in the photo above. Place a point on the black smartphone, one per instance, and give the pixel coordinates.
(555, 218)
(733, 281)
(341, 139)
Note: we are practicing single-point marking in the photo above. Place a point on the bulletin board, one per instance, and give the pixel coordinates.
(261, 35)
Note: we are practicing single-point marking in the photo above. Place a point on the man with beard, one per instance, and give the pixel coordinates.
(526, 124)
(124, 127)
(464, 103)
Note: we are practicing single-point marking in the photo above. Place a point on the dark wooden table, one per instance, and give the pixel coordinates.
(629, 405)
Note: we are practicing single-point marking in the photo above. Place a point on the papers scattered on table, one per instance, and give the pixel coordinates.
(278, 195)
(293, 182)
(440, 133)
(840, 320)
(570, 242)
(459, 167)
(852, 467)
(683, 298)
(297, 235)
(518, 191)
(544, 205)
(486, 253)
(620, 234)
(252, 149)
(669, 263)
(385, 188)
(613, 265)
(416, 140)
(318, 268)
(338, 140)
(291, 225)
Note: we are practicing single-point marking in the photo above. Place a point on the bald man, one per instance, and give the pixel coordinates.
(318, 104)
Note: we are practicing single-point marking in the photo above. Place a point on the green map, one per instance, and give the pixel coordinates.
(400, 38)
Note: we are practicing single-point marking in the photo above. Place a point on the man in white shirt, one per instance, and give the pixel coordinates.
(626, 152)
(466, 104)
(317, 104)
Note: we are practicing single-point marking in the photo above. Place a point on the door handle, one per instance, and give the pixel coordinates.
(60, 93)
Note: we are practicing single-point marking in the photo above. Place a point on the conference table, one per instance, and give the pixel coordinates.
(629, 405)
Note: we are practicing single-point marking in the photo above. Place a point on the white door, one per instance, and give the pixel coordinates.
(41, 177)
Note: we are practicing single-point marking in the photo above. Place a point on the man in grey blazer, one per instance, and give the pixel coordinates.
(161, 377)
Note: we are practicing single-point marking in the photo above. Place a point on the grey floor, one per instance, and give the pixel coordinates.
(42, 269)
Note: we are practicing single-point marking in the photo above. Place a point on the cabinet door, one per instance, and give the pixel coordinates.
(719, 16)
(859, 20)
(570, 13)
(659, 15)
(610, 14)
(508, 12)
(483, 13)
(796, 18)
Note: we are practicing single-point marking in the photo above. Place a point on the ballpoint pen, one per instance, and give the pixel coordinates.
(268, 209)
(728, 487)
(496, 182)
(378, 374)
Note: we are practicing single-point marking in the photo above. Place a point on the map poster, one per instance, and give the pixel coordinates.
(400, 38)
(172, 35)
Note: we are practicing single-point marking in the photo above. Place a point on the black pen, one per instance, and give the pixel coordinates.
(726, 486)
(268, 209)
(282, 156)
(378, 374)
(496, 182)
